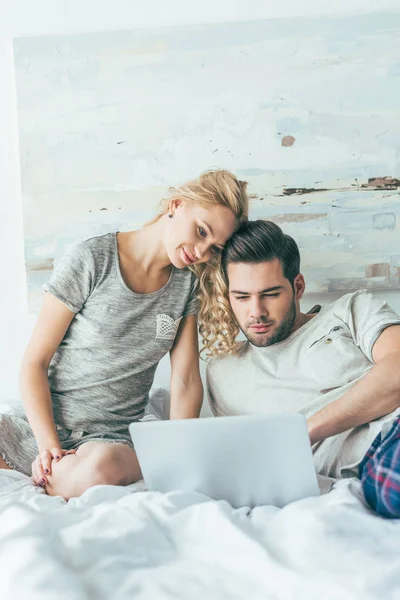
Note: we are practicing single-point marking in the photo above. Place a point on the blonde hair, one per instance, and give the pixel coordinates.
(223, 188)
(217, 323)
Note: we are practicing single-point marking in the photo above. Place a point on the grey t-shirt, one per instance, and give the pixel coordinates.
(316, 365)
(101, 374)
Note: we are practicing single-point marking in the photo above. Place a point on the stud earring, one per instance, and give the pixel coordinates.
(170, 215)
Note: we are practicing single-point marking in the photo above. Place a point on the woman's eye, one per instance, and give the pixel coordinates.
(202, 232)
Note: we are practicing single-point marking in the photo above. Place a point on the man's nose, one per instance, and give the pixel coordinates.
(257, 309)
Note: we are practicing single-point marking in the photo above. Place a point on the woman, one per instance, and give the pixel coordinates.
(112, 309)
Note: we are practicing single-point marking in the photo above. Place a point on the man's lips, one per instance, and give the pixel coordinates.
(260, 328)
(187, 258)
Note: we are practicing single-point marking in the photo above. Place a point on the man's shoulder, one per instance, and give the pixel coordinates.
(345, 302)
(221, 364)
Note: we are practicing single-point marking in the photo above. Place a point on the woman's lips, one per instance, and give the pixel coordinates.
(187, 258)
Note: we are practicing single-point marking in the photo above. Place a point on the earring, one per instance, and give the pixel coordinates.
(170, 215)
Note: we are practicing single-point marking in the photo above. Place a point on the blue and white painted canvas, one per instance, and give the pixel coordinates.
(307, 110)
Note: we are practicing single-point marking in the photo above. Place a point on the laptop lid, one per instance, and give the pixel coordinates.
(247, 460)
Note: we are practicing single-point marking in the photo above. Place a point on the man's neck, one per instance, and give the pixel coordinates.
(302, 319)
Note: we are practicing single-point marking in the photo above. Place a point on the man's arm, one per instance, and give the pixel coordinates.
(375, 395)
(186, 385)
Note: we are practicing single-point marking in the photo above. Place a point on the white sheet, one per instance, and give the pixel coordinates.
(119, 543)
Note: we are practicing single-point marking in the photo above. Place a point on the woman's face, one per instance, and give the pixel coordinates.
(195, 233)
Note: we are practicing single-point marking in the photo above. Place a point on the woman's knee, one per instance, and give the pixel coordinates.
(112, 464)
(93, 464)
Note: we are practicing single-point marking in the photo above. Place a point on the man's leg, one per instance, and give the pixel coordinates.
(94, 463)
(380, 474)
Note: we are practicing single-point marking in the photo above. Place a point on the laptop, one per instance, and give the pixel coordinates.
(246, 460)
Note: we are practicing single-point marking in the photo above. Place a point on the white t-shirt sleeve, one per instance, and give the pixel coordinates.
(367, 316)
(214, 398)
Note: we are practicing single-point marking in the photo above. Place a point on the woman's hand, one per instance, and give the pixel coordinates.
(41, 466)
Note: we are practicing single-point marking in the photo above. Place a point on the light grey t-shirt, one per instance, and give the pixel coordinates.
(315, 366)
(102, 372)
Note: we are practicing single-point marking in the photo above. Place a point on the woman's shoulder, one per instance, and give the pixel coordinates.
(95, 250)
(105, 242)
(93, 255)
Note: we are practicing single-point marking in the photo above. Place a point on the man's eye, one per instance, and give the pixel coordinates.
(270, 295)
(241, 298)
(216, 249)
(202, 232)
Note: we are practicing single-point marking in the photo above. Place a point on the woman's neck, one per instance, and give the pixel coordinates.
(146, 247)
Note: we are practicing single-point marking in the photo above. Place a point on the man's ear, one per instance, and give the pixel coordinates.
(299, 286)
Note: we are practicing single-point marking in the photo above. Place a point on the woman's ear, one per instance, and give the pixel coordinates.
(174, 204)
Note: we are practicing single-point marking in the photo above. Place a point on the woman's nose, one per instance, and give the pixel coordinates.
(202, 250)
(198, 253)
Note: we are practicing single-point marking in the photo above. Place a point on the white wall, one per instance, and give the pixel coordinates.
(44, 17)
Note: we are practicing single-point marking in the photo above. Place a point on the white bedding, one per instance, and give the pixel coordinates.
(119, 543)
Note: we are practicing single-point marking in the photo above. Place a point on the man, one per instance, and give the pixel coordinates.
(340, 367)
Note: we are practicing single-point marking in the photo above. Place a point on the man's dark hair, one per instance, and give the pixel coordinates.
(262, 241)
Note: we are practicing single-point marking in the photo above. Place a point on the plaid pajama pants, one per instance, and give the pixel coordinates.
(380, 473)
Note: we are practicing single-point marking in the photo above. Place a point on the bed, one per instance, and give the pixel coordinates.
(119, 543)
(124, 542)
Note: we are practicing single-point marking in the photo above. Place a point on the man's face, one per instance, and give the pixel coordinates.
(263, 301)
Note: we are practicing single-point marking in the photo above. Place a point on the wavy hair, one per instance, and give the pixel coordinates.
(254, 242)
(217, 186)
(212, 187)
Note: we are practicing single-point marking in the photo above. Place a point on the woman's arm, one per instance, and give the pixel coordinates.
(53, 321)
(186, 385)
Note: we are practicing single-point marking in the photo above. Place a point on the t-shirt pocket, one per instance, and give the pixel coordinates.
(335, 359)
(333, 334)
(166, 329)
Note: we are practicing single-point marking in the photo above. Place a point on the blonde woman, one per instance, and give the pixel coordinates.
(112, 309)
